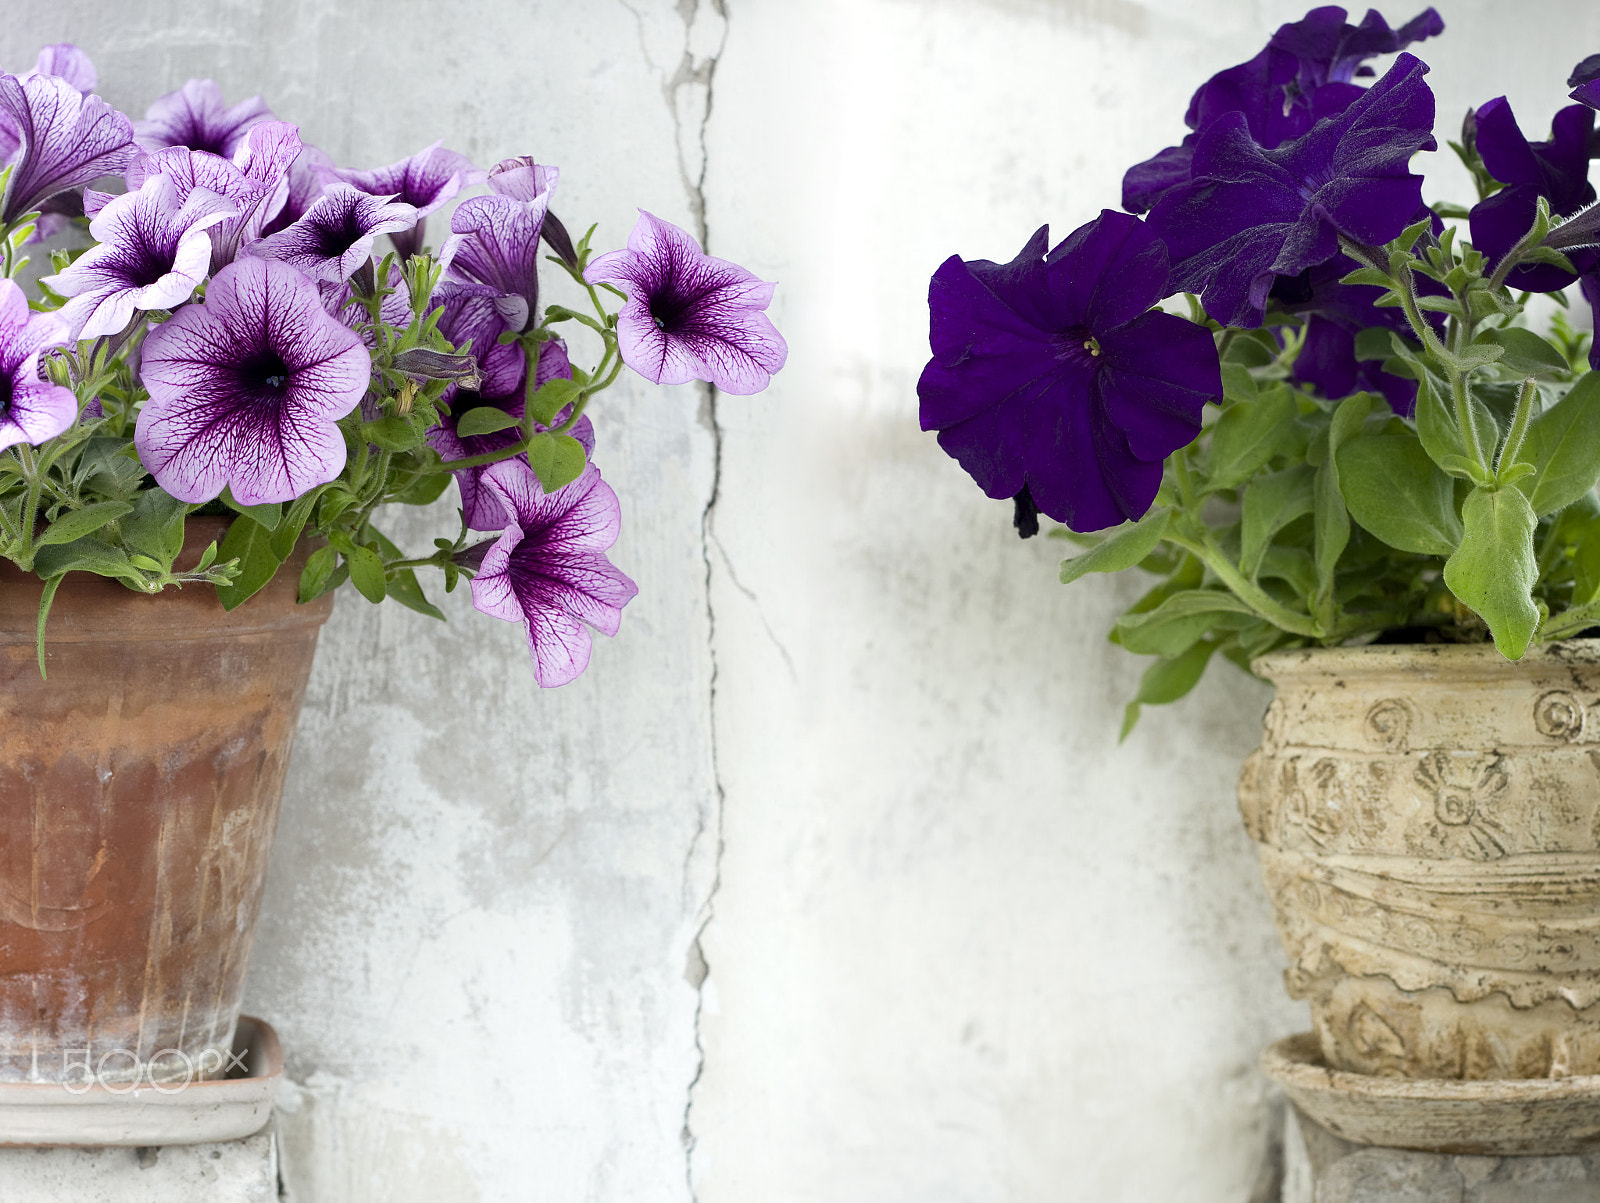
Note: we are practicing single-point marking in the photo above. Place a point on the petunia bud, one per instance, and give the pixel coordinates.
(436, 365)
(558, 240)
(471, 558)
(1025, 516)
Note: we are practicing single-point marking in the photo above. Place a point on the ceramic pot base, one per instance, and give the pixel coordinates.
(168, 1113)
(1501, 1117)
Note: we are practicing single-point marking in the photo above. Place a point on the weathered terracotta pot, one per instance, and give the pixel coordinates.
(1429, 826)
(139, 790)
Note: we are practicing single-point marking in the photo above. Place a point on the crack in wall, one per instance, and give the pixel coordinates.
(688, 88)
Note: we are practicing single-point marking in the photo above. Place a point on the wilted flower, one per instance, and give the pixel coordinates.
(151, 252)
(64, 139)
(426, 180)
(549, 570)
(31, 410)
(1249, 215)
(245, 390)
(336, 234)
(1049, 375)
(196, 116)
(690, 316)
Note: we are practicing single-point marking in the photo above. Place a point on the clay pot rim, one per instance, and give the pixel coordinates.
(1379, 658)
(1296, 1061)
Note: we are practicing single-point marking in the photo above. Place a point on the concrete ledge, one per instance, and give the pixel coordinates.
(1320, 1167)
(239, 1171)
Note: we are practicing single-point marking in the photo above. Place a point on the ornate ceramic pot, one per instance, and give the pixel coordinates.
(1429, 825)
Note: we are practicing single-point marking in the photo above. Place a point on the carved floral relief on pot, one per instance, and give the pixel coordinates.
(1465, 791)
(1559, 715)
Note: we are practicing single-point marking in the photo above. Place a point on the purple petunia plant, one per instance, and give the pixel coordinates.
(239, 340)
(1292, 386)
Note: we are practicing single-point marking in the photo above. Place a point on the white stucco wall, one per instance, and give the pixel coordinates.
(961, 945)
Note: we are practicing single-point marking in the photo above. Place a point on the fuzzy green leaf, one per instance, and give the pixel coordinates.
(1494, 569)
(1246, 436)
(1395, 491)
(1167, 680)
(557, 460)
(366, 573)
(1526, 354)
(75, 524)
(485, 419)
(1563, 445)
(251, 543)
(1124, 548)
(1269, 504)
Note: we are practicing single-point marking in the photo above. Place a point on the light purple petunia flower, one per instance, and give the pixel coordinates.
(64, 139)
(425, 181)
(336, 234)
(494, 250)
(31, 410)
(549, 570)
(522, 179)
(152, 252)
(246, 389)
(690, 316)
(310, 173)
(195, 116)
(66, 61)
(256, 180)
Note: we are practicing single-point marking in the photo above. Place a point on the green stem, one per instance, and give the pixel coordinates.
(1519, 428)
(1467, 421)
(30, 506)
(1251, 594)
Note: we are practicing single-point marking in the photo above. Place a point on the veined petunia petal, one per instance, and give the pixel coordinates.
(64, 139)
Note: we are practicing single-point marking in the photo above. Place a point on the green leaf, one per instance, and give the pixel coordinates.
(251, 543)
(266, 516)
(1526, 354)
(88, 555)
(1167, 680)
(1395, 491)
(392, 434)
(75, 524)
(553, 397)
(403, 585)
(1332, 517)
(1269, 504)
(317, 577)
(1237, 382)
(424, 490)
(1563, 445)
(485, 419)
(1125, 547)
(366, 573)
(46, 599)
(1246, 436)
(1494, 570)
(156, 526)
(1174, 625)
(294, 522)
(557, 460)
(1374, 343)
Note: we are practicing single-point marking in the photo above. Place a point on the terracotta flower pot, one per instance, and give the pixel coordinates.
(1429, 826)
(139, 790)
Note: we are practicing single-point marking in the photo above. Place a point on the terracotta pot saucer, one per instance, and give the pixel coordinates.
(1495, 1117)
(230, 1108)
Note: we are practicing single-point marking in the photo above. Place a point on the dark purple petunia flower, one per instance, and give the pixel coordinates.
(64, 140)
(336, 234)
(254, 181)
(196, 116)
(549, 569)
(1304, 74)
(493, 249)
(1557, 170)
(1049, 374)
(1335, 313)
(31, 410)
(245, 390)
(152, 251)
(425, 181)
(1250, 215)
(690, 316)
